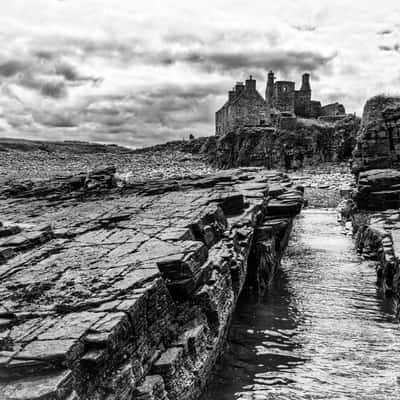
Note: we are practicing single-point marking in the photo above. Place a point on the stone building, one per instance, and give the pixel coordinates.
(283, 103)
(245, 106)
(331, 110)
(281, 96)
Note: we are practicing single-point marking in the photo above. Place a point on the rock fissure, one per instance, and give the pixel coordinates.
(135, 300)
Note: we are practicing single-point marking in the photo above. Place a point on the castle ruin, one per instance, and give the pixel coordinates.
(282, 104)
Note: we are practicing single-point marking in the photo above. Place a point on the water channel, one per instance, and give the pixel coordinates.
(322, 331)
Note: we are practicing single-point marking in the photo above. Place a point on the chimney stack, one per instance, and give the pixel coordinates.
(250, 83)
(239, 87)
(305, 83)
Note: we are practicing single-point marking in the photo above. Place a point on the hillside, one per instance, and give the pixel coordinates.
(35, 160)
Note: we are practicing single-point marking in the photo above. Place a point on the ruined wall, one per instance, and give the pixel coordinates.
(378, 140)
(333, 109)
(221, 120)
(249, 109)
(302, 103)
(117, 293)
(245, 106)
(315, 109)
(284, 96)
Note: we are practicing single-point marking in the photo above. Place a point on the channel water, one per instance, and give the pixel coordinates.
(323, 330)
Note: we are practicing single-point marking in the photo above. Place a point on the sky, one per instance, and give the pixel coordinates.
(137, 73)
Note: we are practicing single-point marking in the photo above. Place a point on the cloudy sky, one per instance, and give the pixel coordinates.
(142, 72)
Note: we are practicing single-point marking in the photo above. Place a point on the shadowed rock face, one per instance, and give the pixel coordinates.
(378, 140)
(111, 292)
(308, 142)
(378, 189)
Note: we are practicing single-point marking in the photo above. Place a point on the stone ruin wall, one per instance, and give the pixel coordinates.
(249, 110)
(333, 109)
(245, 106)
(284, 96)
(302, 103)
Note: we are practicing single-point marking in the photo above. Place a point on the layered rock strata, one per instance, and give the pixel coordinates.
(378, 189)
(116, 293)
(378, 140)
(377, 237)
(302, 143)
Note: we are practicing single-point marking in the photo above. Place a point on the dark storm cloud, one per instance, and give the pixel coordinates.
(384, 32)
(170, 106)
(132, 51)
(395, 48)
(120, 50)
(279, 60)
(44, 54)
(11, 67)
(148, 116)
(72, 75)
(188, 91)
(67, 71)
(209, 61)
(176, 107)
(155, 113)
(59, 119)
(57, 90)
(47, 86)
(44, 73)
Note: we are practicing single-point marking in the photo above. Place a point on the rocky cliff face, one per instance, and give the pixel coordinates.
(309, 142)
(378, 140)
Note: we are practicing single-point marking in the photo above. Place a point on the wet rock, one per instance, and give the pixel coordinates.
(128, 291)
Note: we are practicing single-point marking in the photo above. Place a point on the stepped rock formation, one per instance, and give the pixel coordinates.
(376, 221)
(378, 189)
(378, 141)
(117, 293)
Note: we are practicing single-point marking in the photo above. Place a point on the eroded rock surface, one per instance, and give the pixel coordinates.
(308, 142)
(378, 140)
(378, 189)
(112, 292)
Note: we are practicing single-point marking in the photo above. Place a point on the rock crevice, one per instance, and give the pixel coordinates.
(127, 293)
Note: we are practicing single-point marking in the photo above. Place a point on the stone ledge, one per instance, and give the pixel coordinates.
(127, 288)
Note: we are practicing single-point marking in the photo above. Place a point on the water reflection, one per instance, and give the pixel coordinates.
(323, 330)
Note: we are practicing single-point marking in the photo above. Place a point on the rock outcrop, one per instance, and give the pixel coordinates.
(116, 293)
(309, 142)
(378, 140)
(378, 189)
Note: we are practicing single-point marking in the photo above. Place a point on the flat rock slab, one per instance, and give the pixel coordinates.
(90, 272)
